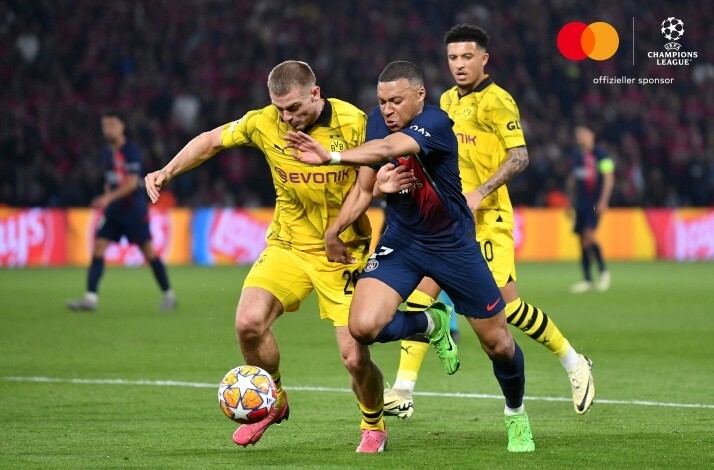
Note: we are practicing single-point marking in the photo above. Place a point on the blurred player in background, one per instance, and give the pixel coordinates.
(492, 151)
(125, 212)
(430, 233)
(294, 263)
(590, 187)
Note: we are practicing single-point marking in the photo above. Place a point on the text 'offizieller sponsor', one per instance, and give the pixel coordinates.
(625, 80)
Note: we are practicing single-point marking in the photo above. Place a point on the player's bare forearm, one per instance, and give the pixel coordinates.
(198, 150)
(128, 187)
(195, 152)
(515, 163)
(308, 150)
(356, 203)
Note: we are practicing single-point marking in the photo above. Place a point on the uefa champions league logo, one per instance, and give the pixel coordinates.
(672, 30)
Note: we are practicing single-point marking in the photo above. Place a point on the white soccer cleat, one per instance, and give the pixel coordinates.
(168, 301)
(398, 403)
(82, 305)
(581, 381)
(581, 287)
(603, 283)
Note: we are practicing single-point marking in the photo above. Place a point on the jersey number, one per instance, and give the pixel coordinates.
(350, 278)
(487, 249)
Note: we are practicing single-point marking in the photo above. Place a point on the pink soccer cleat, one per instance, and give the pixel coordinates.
(372, 441)
(251, 433)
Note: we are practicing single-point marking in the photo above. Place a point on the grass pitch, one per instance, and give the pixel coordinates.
(129, 386)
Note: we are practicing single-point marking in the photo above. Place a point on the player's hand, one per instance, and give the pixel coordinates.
(392, 178)
(473, 199)
(601, 207)
(306, 149)
(336, 250)
(154, 182)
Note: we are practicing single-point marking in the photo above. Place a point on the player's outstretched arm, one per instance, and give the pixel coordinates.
(355, 204)
(308, 150)
(515, 163)
(198, 150)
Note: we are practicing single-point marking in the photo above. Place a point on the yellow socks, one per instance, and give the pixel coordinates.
(536, 324)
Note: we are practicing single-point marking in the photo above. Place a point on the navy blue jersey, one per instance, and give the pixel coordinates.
(434, 212)
(117, 165)
(588, 168)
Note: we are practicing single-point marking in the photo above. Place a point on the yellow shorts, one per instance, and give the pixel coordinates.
(290, 275)
(494, 232)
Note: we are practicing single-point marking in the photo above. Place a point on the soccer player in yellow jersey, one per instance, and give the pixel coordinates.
(492, 150)
(294, 263)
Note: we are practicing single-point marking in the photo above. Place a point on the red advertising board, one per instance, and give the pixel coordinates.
(32, 237)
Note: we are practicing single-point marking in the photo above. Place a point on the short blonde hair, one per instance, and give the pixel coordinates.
(289, 75)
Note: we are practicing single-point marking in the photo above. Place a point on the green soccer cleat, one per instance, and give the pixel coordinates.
(441, 338)
(520, 438)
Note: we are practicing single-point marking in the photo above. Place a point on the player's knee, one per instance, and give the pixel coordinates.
(499, 345)
(248, 325)
(362, 332)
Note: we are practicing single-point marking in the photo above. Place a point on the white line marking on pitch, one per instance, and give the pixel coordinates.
(173, 383)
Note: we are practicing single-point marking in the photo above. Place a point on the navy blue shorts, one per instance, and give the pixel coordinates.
(461, 272)
(134, 224)
(585, 217)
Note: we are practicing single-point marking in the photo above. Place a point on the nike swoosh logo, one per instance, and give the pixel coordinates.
(581, 406)
(490, 307)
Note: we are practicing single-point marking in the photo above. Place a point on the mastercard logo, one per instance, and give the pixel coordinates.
(598, 41)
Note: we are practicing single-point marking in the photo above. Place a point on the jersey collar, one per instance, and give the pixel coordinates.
(480, 87)
(324, 117)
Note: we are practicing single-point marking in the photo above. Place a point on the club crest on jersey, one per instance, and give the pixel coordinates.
(337, 145)
(371, 265)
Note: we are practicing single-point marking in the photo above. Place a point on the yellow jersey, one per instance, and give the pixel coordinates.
(486, 123)
(308, 198)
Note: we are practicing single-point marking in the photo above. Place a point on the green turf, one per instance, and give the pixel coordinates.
(650, 337)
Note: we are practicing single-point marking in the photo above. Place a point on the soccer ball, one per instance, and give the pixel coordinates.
(673, 28)
(246, 394)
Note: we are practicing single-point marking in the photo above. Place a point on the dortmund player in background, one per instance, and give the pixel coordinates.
(294, 262)
(492, 151)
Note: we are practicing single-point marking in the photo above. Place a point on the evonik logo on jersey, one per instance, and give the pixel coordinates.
(300, 177)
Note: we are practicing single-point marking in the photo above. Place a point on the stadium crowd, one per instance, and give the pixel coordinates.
(177, 67)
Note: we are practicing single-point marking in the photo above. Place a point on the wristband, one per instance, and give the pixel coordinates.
(335, 158)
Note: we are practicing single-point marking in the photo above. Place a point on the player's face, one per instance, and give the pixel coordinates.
(112, 128)
(399, 102)
(299, 107)
(466, 62)
(584, 137)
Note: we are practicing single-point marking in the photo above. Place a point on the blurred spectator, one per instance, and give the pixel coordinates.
(177, 66)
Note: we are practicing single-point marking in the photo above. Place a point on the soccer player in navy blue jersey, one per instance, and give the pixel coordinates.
(430, 233)
(125, 212)
(589, 187)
